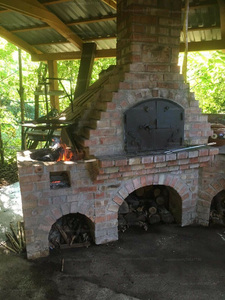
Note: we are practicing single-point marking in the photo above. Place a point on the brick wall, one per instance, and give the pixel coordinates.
(99, 187)
(148, 47)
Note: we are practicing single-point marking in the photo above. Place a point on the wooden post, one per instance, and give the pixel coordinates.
(53, 73)
(21, 93)
(1, 142)
(86, 66)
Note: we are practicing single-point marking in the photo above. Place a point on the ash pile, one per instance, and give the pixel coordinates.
(70, 231)
(145, 207)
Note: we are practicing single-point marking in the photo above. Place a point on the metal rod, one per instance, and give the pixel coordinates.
(188, 148)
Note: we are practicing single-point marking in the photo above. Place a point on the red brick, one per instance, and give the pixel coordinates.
(203, 152)
(159, 158)
(122, 162)
(112, 217)
(149, 166)
(137, 183)
(99, 195)
(170, 157)
(193, 160)
(143, 181)
(184, 167)
(118, 200)
(100, 219)
(106, 163)
(87, 189)
(182, 155)
(147, 159)
(213, 151)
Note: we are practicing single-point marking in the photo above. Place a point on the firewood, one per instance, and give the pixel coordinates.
(143, 225)
(8, 248)
(142, 218)
(124, 208)
(76, 245)
(153, 219)
(152, 210)
(140, 192)
(62, 266)
(165, 215)
(160, 200)
(64, 235)
(157, 192)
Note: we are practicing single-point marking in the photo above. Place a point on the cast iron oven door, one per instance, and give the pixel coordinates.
(156, 124)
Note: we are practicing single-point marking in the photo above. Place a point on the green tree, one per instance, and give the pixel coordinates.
(206, 75)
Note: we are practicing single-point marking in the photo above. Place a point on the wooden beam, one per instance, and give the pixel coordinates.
(18, 42)
(53, 73)
(200, 6)
(67, 42)
(111, 3)
(77, 22)
(30, 28)
(71, 55)
(34, 10)
(93, 20)
(222, 18)
(47, 3)
(85, 70)
(204, 46)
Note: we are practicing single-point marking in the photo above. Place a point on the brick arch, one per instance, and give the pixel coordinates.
(216, 186)
(49, 217)
(163, 179)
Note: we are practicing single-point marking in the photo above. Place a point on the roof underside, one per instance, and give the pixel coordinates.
(45, 27)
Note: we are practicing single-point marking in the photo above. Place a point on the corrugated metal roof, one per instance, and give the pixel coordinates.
(47, 35)
(57, 48)
(77, 10)
(13, 20)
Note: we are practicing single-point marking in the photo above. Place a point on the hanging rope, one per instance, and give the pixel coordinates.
(185, 36)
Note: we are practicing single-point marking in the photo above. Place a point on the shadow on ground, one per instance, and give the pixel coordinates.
(166, 262)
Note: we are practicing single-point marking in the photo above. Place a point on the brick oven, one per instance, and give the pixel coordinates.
(120, 159)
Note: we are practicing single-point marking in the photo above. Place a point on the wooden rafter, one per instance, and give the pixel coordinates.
(111, 3)
(222, 18)
(18, 42)
(71, 55)
(78, 22)
(47, 3)
(203, 5)
(204, 46)
(85, 40)
(34, 10)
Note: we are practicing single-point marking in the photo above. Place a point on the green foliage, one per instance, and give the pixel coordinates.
(206, 75)
(10, 111)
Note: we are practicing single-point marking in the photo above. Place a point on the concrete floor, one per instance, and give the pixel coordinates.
(166, 262)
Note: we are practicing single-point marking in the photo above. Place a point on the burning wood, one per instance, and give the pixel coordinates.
(59, 152)
(148, 206)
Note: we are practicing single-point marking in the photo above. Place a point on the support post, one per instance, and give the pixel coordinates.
(22, 106)
(1, 141)
(86, 66)
(53, 73)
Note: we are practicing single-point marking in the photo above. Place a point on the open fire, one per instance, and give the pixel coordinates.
(58, 152)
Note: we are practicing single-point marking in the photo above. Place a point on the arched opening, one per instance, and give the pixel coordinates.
(217, 209)
(150, 205)
(71, 231)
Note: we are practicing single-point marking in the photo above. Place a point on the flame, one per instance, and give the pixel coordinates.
(66, 154)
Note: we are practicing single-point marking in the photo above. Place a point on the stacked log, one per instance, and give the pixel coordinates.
(217, 209)
(70, 231)
(144, 207)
